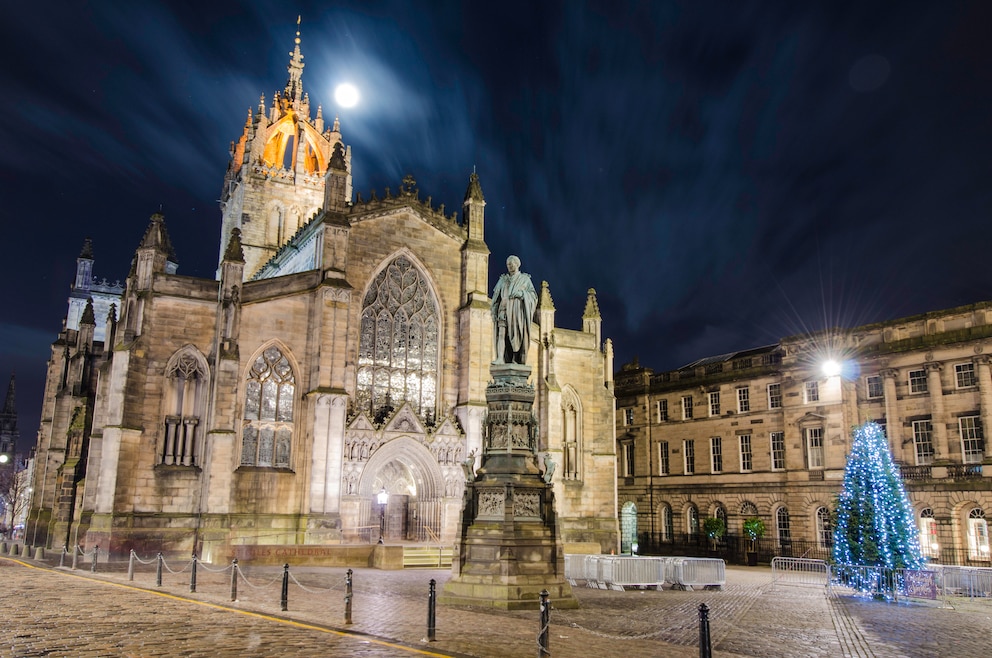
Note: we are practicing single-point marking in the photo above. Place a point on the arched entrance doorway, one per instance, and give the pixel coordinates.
(408, 474)
(628, 526)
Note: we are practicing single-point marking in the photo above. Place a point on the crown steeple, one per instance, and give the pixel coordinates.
(294, 86)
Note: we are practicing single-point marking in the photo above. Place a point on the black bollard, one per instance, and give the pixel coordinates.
(347, 597)
(130, 566)
(543, 640)
(284, 602)
(704, 632)
(234, 580)
(431, 603)
(96, 553)
(192, 575)
(158, 570)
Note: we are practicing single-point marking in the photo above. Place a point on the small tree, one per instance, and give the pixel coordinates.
(754, 529)
(714, 528)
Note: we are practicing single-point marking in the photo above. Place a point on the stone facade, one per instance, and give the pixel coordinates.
(766, 433)
(336, 356)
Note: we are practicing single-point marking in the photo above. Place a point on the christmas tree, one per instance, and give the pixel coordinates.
(875, 521)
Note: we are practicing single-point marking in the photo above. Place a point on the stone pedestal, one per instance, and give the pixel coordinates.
(509, 547)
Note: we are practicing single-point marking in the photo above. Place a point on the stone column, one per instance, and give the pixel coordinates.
(985, 397)
(893, 424)
(937, 414)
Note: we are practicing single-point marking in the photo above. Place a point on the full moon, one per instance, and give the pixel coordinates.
(346, 95)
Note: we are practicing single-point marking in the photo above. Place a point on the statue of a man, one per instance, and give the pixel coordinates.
(513, 304)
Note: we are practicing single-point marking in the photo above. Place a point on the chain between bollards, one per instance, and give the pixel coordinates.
(431, 610)
(234, 580)
(158, 570)
(704, 632)
(543, 640)
(347, 597)
(192, 575)
(284, 602)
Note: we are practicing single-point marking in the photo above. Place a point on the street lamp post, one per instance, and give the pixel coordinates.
(383, 498)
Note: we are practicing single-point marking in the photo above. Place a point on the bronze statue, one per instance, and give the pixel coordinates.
(513, 304)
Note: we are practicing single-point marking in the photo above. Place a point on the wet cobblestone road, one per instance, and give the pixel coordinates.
(57, 612)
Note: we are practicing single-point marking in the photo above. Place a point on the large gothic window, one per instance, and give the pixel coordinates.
(270, 392)
(398, 353)
(185, 402)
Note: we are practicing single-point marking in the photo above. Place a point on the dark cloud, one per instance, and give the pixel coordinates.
(722, 173)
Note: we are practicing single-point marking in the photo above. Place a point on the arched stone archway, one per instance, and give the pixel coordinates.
(407, 471)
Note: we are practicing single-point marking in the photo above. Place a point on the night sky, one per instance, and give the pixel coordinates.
(723, 173)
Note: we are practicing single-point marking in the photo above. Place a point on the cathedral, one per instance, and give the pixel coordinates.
(326, 388)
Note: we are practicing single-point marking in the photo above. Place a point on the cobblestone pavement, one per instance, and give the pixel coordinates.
(751, 616)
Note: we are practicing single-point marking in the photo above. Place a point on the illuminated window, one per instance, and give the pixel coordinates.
(814, 447)
(928, 534)
(978, 535)
(270, 393)
(692, 520)
(398, 353)
(917, 381)
(923, 439)
(715, 403)
(774, 396)
(824, 528)
(964, 375)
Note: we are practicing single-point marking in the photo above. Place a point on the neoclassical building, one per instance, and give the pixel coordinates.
(766, 433)
(342, 351)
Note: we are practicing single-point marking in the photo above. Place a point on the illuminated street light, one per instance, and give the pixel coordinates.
(382, 498)
(831, 368)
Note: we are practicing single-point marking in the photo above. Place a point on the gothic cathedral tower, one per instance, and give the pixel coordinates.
(275, 180)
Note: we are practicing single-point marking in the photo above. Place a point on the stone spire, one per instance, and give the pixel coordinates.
(157, 237)
(9, 407)
(8, 421)
(234, 251)
(87, 251)
(474, 190)
(294, 86)
(592, 321)
(89, 317)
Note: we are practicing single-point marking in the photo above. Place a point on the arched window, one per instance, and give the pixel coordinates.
(667, 529)
(270, 393)
(399, 346)
(185, 405)
(721, 513)
(692, 520)
(782, 525)
(978, 535)
(571, 423)
(824, 528)
(928, 533)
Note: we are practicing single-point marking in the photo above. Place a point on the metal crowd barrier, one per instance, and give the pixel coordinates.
(800, 571)
(689, 572)
(964, 581)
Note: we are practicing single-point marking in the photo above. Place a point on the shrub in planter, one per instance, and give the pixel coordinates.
(754, 529)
